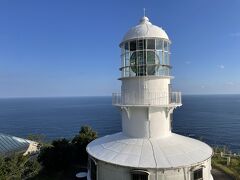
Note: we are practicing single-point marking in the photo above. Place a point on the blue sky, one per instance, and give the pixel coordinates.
(70, 47)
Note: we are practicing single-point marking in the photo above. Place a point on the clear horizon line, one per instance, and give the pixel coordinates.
(69, 96)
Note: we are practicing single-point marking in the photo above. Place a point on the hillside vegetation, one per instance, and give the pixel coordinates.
(61, 159)
(226, 162)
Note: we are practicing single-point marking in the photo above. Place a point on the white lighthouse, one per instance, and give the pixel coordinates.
(146, 149)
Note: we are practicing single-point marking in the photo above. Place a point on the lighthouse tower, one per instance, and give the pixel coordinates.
(146, 149)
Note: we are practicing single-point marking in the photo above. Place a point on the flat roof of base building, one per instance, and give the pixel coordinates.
(169, 152)
(11, 144)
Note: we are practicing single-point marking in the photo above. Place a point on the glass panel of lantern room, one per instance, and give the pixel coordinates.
(167, 71)
(132, 73)
(168, 57)
(159, 71)
(165, 46)
(141, 44)
(132, 45)
(122, 60)
(122, 50)
(133, 61)
(126, 72)
(151, 44)
(126, 46)
(151, 62)
(162, 71)
(159, 56)
(140, 58)
(159, 44)
(151, 70)
(151, 57)
(141, 63)
(127, 59)
(166, 62)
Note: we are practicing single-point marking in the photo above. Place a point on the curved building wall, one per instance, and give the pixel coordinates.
(136, 87)
(145, 121)
(154, 122)
(106, 171)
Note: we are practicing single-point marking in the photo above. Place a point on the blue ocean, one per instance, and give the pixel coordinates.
(214, 119)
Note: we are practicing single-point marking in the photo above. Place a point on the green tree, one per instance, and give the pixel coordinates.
(58, 156)
(80, 142)
(18, 166)
(63, 155)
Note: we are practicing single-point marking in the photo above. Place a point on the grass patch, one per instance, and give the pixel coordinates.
(233, 169)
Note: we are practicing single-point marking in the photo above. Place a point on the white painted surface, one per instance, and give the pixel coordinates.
(169, 152)
(135, 123)
(145, 29)
(147, 141)
(146, 122)
(106, 171)
(153, 120)
(146, 91)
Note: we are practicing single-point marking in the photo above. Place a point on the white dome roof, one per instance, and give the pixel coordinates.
(169, 152)
(145, 29)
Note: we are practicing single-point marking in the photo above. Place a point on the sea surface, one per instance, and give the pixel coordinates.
(213, 118)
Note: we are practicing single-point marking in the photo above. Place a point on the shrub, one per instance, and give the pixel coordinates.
(18, 167)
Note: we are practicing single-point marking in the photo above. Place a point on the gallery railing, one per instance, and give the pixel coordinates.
(147, 99)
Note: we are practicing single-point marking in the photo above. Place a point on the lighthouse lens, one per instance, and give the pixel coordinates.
(133, 62)
(138, 63)
(144, 63)
(152, 62)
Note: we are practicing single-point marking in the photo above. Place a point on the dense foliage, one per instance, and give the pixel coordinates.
(59, 160)
(80, 141)
(64, 154)
(58, 156)
(18, 167)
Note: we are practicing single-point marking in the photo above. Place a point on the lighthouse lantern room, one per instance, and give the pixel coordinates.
(147, 149)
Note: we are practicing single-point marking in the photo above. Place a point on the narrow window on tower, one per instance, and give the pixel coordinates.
(139, 175)
(198, 174)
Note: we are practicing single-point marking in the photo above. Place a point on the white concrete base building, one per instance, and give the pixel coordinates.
(146, 149)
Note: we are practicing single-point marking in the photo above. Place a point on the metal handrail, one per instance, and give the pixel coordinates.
(147, 98)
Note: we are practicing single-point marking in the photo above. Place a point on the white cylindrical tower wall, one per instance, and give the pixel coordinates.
(145, 90)
(146, 122)
(146, 115)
